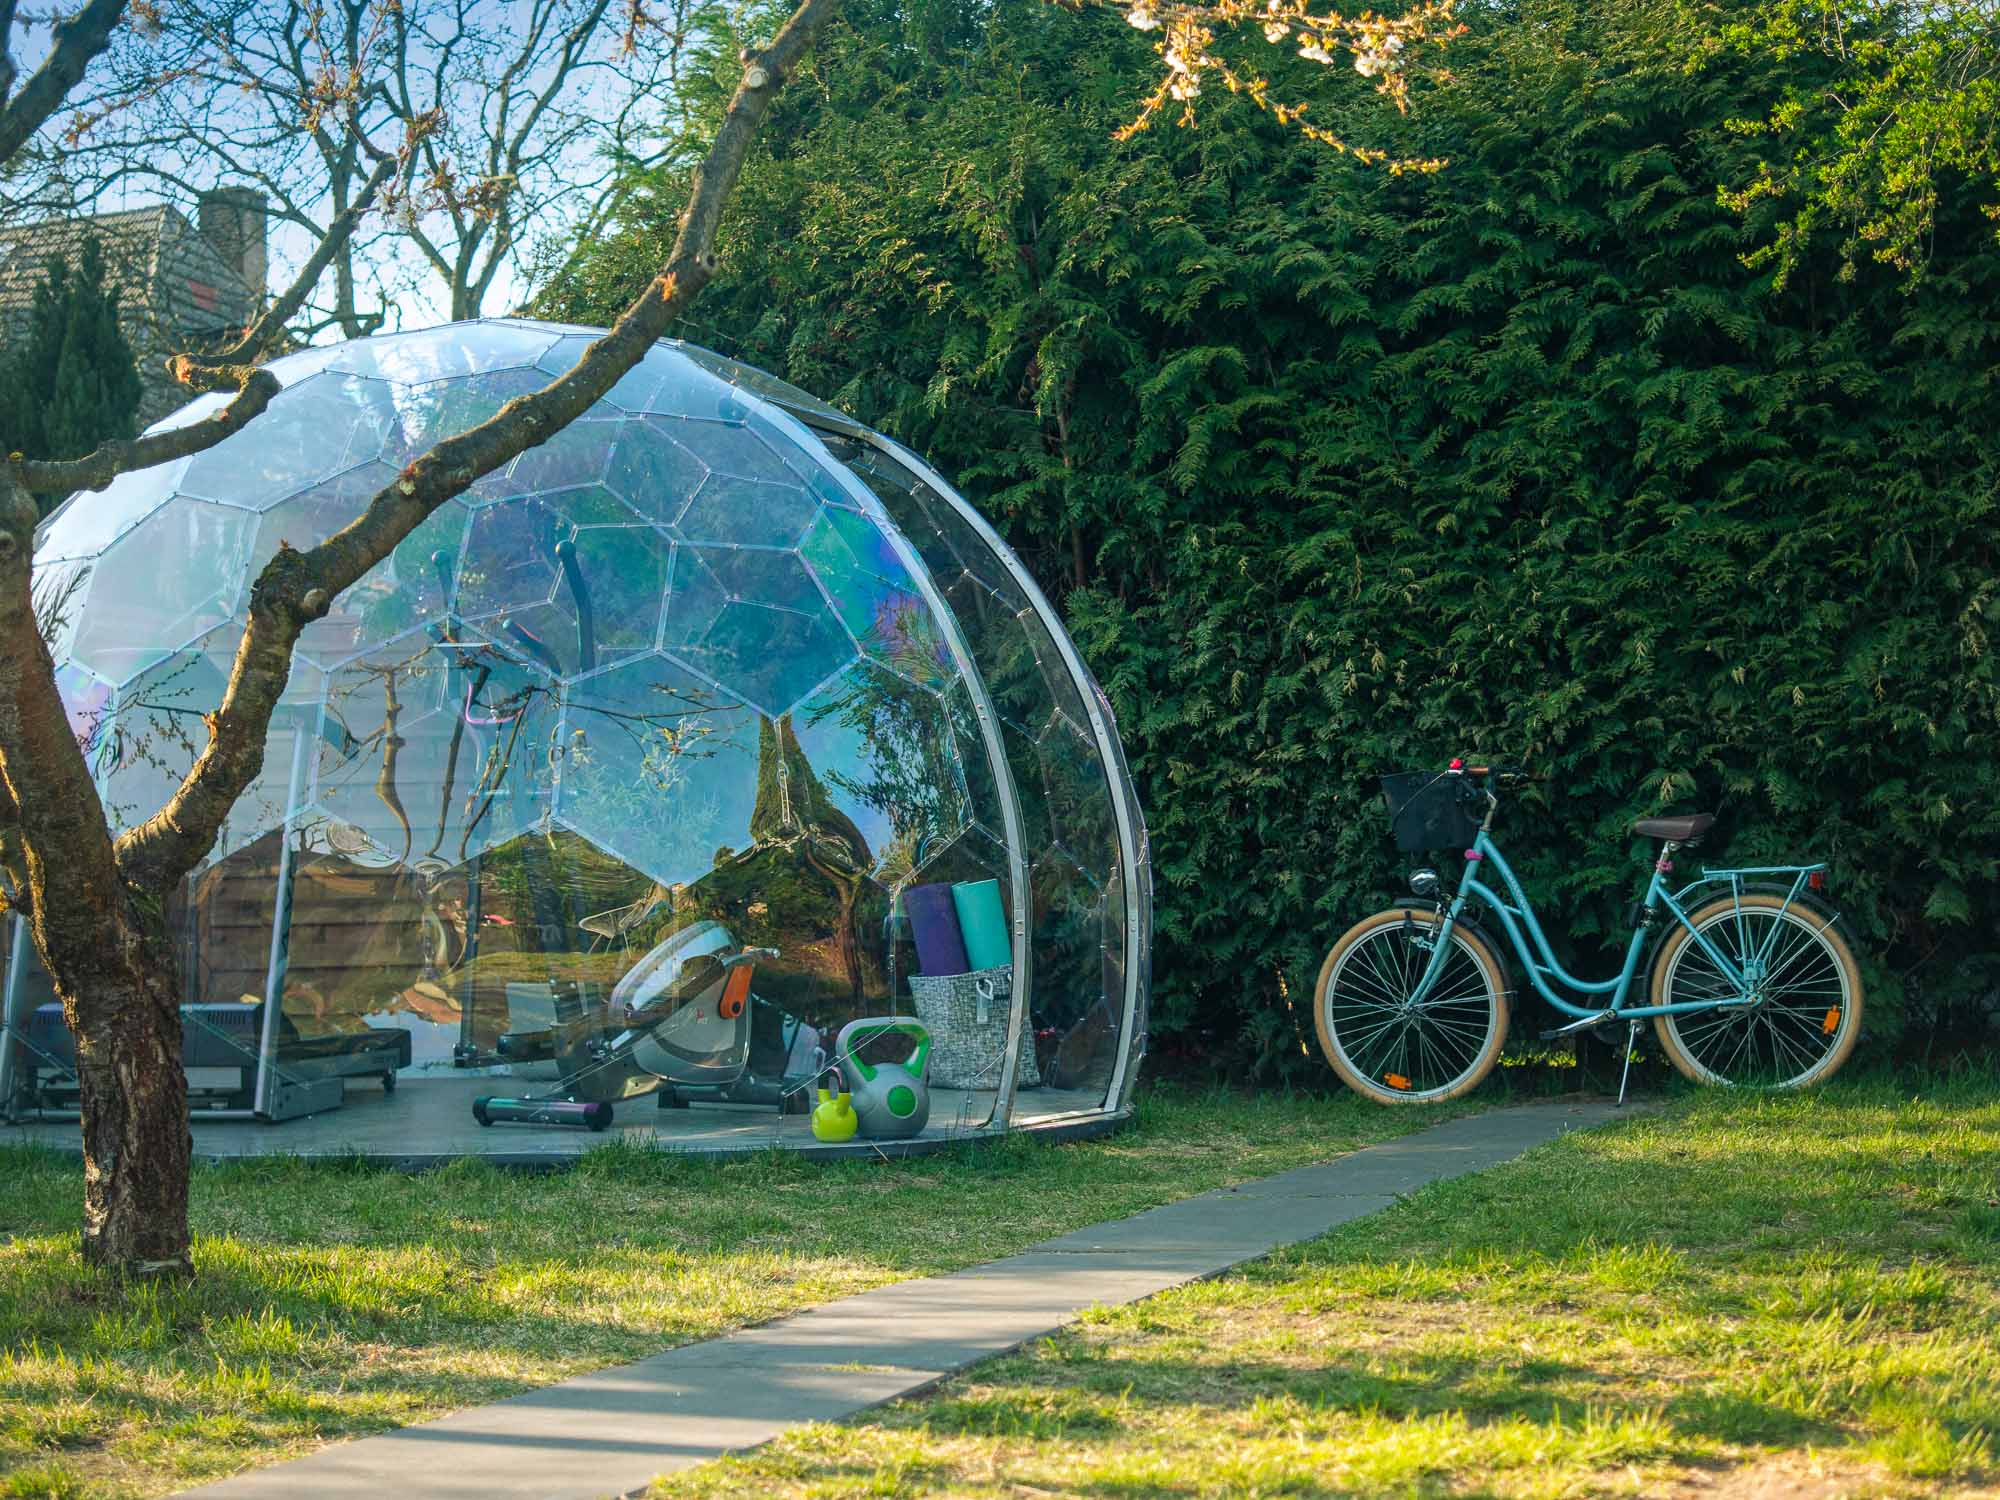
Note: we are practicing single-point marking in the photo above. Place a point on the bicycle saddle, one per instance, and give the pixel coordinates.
(1679, 830)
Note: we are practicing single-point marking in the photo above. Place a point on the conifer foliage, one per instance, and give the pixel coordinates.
(1339, 473)
(69, 382)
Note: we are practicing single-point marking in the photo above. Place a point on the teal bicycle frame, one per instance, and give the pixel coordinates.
(1517, 918)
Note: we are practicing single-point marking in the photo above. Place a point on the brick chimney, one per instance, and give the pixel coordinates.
(232, 220)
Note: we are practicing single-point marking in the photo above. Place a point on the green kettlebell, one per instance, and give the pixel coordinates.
(833, 1118)
(892, 1099)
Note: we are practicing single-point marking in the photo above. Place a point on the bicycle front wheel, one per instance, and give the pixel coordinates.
(1802, 1016)
(1391, 1049)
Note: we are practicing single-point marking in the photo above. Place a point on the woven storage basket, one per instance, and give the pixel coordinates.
(966, 1015)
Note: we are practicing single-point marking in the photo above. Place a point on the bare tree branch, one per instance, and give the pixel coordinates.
(78, 39)
(297, 588)
(255, 388)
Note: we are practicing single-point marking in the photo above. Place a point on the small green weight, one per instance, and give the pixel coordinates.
(833, 1118)
(892, 1100)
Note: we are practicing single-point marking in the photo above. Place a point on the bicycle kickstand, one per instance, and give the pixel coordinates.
(1631, 1041)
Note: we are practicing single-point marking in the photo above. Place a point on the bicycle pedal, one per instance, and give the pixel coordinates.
(1587, 1023)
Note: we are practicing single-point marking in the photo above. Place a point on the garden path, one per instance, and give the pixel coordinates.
(610, 1432)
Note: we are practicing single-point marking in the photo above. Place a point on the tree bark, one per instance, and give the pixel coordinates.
(115, 978)
(136, 1145)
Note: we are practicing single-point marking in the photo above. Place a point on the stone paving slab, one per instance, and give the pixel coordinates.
(611, 1431)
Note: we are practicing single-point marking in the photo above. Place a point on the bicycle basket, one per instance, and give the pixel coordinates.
(1428, 810)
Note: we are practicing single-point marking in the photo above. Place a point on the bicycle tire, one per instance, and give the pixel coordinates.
(1388, 1068)
(1782, 1043)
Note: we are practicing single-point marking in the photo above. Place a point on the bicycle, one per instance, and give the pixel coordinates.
(1750, 987)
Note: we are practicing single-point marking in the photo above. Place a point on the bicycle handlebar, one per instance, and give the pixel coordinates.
(1495, 771)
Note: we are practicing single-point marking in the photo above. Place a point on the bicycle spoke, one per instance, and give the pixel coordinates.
(1421, 1051)
(1782, 1038)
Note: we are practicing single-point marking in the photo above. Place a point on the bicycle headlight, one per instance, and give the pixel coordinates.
(1424, 882)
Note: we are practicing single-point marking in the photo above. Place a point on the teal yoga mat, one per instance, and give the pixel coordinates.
(983, 922)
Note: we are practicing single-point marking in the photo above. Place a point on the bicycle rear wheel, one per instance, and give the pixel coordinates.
(1392, 1051)
(1804, 1016)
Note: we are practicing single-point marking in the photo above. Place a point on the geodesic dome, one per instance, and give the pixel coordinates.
(712, 654)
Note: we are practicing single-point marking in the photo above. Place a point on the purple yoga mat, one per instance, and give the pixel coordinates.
(934, 925)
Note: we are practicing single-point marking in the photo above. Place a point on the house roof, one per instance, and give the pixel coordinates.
(146, 249)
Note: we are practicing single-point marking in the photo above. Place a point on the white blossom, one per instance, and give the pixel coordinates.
(1141, 16)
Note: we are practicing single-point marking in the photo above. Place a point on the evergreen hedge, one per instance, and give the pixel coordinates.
(1337, 472)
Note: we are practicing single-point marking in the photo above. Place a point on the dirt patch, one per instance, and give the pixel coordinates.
(1787, 1476)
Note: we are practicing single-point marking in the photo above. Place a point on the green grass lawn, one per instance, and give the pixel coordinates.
(1744, 1298)
(338, 1300)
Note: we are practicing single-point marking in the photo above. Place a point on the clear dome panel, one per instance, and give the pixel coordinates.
(137, 610)
(409, 588)
(887, 769)
(439, 353)
(430, 751)
(755, 380)
(154, 731)
(660, 768)
(56, 591)
(310, 432)
(90, 520)
(652, 473)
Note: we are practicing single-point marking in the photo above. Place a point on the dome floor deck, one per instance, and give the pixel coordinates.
(429, 1121)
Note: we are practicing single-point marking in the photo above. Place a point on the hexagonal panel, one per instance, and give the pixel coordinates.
(733, 449)
(88, 521)
(886, 768)
(578, 454)
(688, 391)
(433, 752)
(728, 511)
(660, 769)
(591, 505)
(1080, 808)
(621, 583)
(155, 734)
(1068, 935)
(652, 473)
(633, 391)
(86, 699)
(695, 597)
(56, 592)
(875, 597)
(984, 790)
(757, 381)
(510, 559)
(770, 657)
(137, 610)
(439, 353)
(412, 586)
(427, 414)
(310, 432)
(1004, 653)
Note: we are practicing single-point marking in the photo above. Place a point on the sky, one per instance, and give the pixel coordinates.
(427, 300)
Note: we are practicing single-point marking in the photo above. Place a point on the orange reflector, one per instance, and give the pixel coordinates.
(1396, 1080)
(1832, 1022)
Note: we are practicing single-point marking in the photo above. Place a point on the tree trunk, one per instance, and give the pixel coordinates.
(136, 1144)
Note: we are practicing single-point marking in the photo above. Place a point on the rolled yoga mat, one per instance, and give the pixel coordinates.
(934, 927)
(983, 921)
